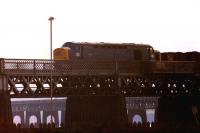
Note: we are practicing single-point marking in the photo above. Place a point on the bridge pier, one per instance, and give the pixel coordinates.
(178, 111)
(5, 102)
(95, 111)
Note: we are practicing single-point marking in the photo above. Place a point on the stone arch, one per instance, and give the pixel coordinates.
(48, 119)
(137, 119)
(140, 112)
(33, 119)
(35, 113)
(17, 119)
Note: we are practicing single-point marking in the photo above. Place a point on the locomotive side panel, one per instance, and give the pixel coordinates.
(116, 53)
(107, 52)
(97, 53)
(123, 55)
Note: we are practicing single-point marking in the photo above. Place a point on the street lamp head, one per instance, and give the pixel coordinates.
(51, 18)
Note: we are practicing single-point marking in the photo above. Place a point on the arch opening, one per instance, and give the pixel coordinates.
(32, 120)
(49, 119)
(137, 119)
(17, 119)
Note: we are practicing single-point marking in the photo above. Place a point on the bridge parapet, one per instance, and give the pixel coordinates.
(1, 65)
(79, 67)
(26, 66)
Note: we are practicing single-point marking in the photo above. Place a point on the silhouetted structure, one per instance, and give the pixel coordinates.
(102, 84)
(177, 111)
(95, 111)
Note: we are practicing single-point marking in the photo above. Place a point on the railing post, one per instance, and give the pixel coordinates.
(1, 65)
(34, 69)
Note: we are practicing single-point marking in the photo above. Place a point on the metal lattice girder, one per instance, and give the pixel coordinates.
(31, 86)
(62, 85)
(161, 85)
(146, 85)
(90, 85)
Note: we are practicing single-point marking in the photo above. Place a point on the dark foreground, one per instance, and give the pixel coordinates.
(105, 130)
(140, 128)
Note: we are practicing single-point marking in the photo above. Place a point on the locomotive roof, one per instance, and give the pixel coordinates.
(105, 43)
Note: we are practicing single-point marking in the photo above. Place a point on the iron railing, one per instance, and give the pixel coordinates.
(82, 67)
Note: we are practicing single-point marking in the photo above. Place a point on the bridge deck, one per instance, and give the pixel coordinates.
(32, 78)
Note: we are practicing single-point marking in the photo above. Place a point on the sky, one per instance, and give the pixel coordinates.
(167, 25)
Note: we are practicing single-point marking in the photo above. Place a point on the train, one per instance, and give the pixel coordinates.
(180, 56)
(102, 51)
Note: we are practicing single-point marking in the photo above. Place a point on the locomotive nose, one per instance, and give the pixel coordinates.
(61, 53)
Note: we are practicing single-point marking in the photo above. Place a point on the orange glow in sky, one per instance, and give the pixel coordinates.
(167, 25)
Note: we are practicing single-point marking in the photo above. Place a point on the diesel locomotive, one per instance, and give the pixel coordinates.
(104, 51)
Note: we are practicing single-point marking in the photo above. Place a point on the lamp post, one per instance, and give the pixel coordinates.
(51, 87)
(51, 19)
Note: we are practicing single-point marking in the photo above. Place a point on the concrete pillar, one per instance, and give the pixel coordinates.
(3, 84)
(24, 117)
(5, 103)
(41, 116)
(59, 117)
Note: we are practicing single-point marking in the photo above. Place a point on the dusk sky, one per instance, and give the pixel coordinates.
(167, 25)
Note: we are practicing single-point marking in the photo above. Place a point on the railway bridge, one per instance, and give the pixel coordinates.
(96, 91)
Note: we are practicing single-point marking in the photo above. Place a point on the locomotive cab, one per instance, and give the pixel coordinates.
(157, 55)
